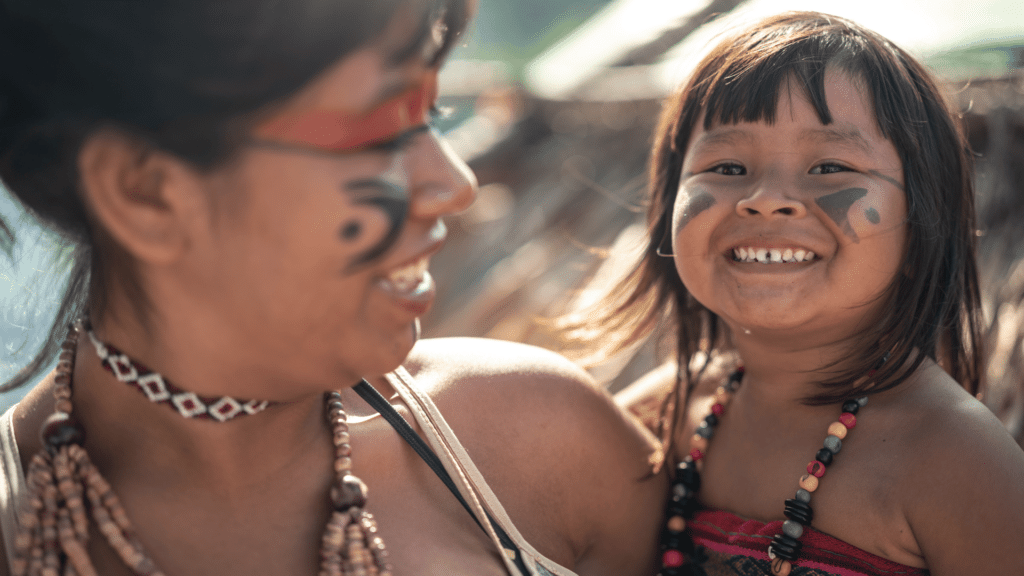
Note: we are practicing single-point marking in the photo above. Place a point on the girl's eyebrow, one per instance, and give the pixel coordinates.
(848, 136)
(722, 137)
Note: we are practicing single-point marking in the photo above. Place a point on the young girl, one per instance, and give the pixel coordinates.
(812, 237)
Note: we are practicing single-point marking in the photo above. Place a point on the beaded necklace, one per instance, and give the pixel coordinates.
(680, 556)
(65, 489)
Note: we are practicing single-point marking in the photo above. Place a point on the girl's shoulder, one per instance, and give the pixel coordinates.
(958, 472)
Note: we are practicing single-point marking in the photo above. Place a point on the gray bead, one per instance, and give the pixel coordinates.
(862, 400)
(705, 431)
(803, 496)
(792, 529)
(680, 491)
(833, 443)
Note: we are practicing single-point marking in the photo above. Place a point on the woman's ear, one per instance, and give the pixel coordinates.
(146, 200)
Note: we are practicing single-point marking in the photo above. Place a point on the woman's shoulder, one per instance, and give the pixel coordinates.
(525, 388)
(551, 443)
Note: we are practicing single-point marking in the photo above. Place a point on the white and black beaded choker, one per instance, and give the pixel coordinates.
(161, 391)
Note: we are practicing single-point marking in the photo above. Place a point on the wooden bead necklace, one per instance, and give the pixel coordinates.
(679, 555)
(65, 489)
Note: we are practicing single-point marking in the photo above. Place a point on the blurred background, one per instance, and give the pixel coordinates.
(552, 102)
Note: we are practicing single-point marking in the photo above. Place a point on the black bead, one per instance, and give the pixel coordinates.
(851, 406)
(670, 572)
(824, 456)
(798, 511)
(686, 472)
(61, 429)
(711, 420)
(786, 547)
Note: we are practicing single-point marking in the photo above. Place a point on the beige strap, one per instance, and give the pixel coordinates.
(468, 478)
(12, 482)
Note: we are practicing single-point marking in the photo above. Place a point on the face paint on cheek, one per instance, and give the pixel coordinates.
(881, 176)
(872, 215)
(837, 207)
(693, 206)
(394, 206)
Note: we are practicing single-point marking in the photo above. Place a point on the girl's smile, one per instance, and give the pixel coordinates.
(795, 223)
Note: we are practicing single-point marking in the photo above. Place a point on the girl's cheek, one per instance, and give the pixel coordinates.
(690, 203)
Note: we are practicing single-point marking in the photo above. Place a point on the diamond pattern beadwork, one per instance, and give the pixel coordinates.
(160, 391)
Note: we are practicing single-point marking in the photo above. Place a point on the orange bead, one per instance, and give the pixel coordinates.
(676, 524)
(699, 442)
(781, 567)
(809, 483)
(837, 429)
(722, 396)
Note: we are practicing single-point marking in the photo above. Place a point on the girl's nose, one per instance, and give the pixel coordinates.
(771, 199)
(441, 183)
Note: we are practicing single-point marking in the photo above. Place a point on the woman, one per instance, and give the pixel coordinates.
(255, 194)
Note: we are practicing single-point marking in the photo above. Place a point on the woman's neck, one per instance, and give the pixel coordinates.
(126, 431)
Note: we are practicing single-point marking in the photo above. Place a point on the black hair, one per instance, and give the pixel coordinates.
(932, 307)
(188, 77)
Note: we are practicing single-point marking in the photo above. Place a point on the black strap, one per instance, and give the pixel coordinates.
(380, 404)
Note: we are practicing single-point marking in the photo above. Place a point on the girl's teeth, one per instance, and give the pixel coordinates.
(773, 255)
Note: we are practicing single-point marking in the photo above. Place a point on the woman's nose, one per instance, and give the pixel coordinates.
(772, 198)
(441, 183)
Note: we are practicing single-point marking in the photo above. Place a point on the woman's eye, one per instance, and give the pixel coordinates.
(440, 113)
(829, 168)
(729, 169)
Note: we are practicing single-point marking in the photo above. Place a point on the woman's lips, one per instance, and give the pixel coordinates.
(411, 285)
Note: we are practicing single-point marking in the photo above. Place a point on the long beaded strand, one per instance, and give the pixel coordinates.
(54, 523)
(680, 556)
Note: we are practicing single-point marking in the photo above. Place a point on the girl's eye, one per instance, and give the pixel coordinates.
(729, 169)
(829, 168)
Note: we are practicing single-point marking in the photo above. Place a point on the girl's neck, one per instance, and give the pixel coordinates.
(782, 375)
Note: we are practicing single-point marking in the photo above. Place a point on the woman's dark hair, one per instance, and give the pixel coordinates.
(188, 77)
(931, 307)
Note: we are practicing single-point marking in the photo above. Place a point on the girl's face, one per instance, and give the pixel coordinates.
(793, 228)
(321, 232)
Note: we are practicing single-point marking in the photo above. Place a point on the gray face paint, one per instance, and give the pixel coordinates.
(888, 179)
(872, 216)
(837, 207)
(395, 206)
(694, 207)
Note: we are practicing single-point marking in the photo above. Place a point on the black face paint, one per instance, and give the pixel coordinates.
(837, 207)
(872, 216)
(351, 230)
(694, 207)
(394, 205)
(892, 181)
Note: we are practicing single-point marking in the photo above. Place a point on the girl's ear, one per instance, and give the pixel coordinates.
(146, 200)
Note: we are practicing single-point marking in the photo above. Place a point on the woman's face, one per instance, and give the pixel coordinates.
(792, 228)
(320, 239)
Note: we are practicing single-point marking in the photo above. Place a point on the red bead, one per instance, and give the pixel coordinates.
(717, 409)
(672, 559)
(848, 420)
(816, 469)
(741, 369)
(696, 454)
